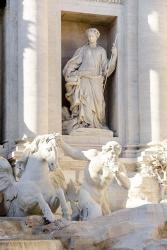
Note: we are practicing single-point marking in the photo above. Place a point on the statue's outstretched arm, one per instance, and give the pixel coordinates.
(75, 153)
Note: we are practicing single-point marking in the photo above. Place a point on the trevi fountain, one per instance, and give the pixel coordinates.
(83, 125)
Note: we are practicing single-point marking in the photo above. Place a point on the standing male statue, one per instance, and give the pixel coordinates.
(85, 74)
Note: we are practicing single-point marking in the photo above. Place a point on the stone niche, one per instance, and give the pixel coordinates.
(73, 27)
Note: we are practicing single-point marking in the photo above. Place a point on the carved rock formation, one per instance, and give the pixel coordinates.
(139, 228)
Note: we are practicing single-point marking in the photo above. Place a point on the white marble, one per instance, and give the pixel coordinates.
(86, 75)
(103, 176)
(36, 190)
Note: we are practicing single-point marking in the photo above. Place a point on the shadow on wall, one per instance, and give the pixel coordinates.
(26, 44)
(17, 33)
(2, 4)
(31, 53)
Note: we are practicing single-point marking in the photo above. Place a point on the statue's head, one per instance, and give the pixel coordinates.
(93, 34)
(113, 148)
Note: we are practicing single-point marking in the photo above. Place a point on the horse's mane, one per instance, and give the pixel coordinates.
(34, 145)
(33, 148)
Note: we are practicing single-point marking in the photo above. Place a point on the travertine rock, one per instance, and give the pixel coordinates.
(142, 228)
(29, 245)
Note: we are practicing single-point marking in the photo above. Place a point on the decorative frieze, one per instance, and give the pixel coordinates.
(107, 1)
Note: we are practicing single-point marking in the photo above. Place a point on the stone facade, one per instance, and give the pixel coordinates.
(108, 1)
(37, 39)
(40, 37)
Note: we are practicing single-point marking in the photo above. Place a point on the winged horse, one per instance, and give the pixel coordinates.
(35, 192)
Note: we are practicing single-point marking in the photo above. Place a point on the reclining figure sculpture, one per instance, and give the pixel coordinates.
(103, 169)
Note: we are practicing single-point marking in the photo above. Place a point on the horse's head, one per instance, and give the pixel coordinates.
(49, 154)
(46, 148)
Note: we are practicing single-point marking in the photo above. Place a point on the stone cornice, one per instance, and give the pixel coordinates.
(107, 1)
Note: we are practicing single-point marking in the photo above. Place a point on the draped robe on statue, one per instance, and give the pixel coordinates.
(84, 74)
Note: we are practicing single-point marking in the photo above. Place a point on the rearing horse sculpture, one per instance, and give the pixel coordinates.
(34, 193)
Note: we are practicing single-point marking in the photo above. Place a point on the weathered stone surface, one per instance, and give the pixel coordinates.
(139, 228)
(107, 1)
(29, 245)
(86, 76)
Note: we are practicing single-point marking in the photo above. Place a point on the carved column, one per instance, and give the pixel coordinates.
(131, 68)
(55, 75)
(10, 96)
(1, 72)
(152, 70)
(33, 67)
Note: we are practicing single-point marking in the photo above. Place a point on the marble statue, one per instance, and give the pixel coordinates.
(85, 74)
(149, 185)
(34, 193)
(155, 166)
(103, 168)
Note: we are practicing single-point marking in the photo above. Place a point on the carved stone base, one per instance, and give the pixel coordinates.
(145, 228)
(31, 244)
(92, 132)
(86, 138)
